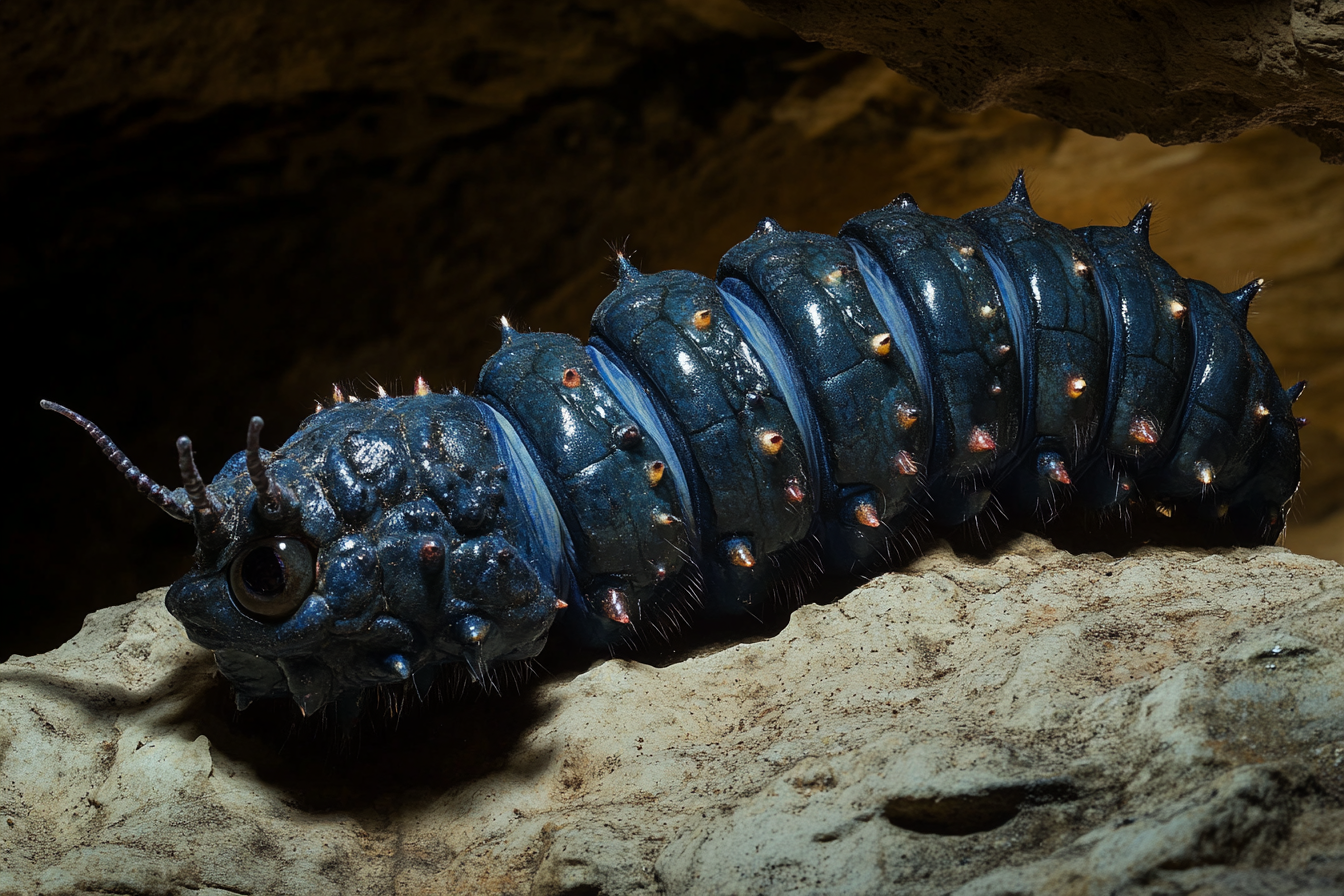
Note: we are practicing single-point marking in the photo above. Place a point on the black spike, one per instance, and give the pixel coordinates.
(766, 225)
(1294, 392)
(625, 271)
(474, 657)
(310, 683)
(310, 702)
(1018, 194)
(1241, 299)
(156, 493)
(906, 201)
(1142, 221)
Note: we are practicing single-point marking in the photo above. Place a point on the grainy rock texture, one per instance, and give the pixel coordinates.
(1179, 71)
(216, 209)
(1036, 722)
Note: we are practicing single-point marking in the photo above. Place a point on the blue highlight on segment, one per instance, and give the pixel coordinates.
(762, 336)
(545, 537)
(896, 312)
(1019, 324)
(638, 404)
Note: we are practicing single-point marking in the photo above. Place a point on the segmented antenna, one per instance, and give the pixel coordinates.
(272, 500)
(203, 503)
(143, 484)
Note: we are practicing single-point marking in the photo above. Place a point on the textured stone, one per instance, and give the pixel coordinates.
(1168, 722)
(1178, 71)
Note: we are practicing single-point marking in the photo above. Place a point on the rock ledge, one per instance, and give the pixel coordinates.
(1169, 722)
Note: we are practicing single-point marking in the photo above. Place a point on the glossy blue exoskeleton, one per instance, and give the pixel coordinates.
(821, 396)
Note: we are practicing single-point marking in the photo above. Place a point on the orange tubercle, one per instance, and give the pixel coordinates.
(980, 440)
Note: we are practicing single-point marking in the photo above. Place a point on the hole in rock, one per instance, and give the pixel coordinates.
(974, 813)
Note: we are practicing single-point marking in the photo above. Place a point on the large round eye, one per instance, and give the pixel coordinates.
(272, 577)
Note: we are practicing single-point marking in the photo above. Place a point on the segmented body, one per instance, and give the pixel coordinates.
(821, 395)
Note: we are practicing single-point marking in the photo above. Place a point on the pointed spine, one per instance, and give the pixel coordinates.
(1018, 194)
(1241, 299)
(625, 271)
(1141, 221)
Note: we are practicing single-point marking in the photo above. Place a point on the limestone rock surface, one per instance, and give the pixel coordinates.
(1031, 722)
(1179, 71)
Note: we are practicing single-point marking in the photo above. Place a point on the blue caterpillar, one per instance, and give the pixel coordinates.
(818, 401)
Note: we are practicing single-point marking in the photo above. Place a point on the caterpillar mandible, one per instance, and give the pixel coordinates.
(821, 398)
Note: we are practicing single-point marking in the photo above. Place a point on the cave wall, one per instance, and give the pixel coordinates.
(219, 209)
(1178, 71)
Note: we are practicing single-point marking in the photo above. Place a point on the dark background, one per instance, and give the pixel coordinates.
(217, 211)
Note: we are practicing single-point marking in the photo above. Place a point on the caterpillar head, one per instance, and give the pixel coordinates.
(383, 539)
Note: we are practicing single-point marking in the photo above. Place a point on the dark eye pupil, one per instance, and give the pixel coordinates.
(263, 572)
(272, 577)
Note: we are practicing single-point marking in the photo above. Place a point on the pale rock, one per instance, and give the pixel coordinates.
(1170, 722)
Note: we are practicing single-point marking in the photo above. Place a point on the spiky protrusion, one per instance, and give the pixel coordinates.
(980, 440)
(1241, 299)
(1144, 430)
(625, 271)
(905, 464)
(1050, 465)
(738, 552)
(1142, 221)
(1294, 392)
(470, 632)
(614, 606)
(1018, 194)
(866, 514)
